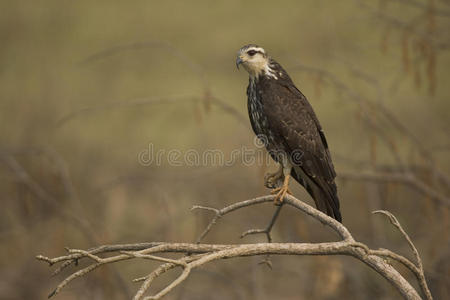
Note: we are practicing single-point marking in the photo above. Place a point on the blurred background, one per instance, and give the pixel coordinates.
(86, 87)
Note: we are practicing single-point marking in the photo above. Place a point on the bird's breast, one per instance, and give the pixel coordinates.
(258, 119)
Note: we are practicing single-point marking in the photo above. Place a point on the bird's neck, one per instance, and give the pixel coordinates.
(264, 69)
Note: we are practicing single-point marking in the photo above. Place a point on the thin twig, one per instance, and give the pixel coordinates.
(421, 274)
(266, 230)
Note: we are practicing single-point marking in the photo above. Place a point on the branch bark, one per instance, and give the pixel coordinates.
(198, 254)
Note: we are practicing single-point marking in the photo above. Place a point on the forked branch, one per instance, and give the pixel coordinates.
(194, 255)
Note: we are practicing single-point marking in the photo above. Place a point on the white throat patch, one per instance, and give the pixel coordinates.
(258, 68)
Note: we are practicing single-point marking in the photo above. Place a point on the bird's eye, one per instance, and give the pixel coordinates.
(251, 52)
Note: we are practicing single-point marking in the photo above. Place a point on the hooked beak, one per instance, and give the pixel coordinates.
(238, 62)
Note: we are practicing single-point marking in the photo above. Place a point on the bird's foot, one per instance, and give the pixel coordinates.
(274, 180)
(280, 193)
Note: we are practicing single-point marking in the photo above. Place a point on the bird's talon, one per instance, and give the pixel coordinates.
(280, 194)
(275, 190)
(278, 190)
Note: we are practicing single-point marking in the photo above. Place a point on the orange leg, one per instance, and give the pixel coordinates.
(282, 191)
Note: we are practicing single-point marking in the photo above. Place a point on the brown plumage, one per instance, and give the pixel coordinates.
(284, 120)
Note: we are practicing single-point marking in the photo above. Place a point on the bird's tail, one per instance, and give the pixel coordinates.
(326, 199)
(324, 195)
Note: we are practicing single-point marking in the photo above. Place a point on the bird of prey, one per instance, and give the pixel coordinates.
(283, 119)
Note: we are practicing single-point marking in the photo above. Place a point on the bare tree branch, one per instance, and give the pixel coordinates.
(201, 254)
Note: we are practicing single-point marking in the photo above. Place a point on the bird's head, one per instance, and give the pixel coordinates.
(254, 59)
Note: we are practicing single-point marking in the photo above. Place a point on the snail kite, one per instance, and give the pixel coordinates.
(285, 122)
